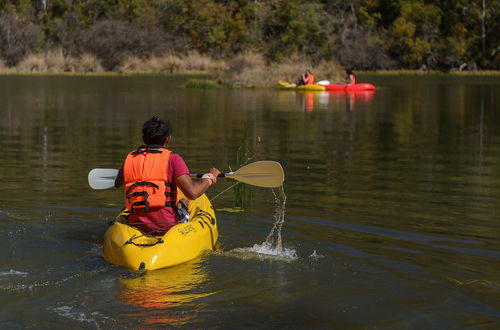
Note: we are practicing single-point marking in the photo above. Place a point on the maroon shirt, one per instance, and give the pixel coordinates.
(159, 219)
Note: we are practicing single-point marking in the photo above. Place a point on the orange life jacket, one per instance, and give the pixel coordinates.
(146, 183)
(310, 79)
(352, 79)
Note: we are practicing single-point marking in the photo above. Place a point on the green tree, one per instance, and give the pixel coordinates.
(415, 34)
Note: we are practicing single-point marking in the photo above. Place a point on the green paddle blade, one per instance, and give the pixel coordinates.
(265, 173)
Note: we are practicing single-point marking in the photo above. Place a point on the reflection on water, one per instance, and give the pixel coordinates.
(160, 290)
(164, 288)
(324, 100)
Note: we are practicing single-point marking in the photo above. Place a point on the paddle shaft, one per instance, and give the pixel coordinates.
(221, 175)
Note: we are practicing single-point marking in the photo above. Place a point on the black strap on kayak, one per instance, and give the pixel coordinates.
(206, 215)
(159, 240)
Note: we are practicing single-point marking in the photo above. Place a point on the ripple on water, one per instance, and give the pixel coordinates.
(84, 317)
(12, 272)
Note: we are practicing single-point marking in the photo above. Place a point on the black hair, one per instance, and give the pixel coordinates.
(349, 71)
(156, 131)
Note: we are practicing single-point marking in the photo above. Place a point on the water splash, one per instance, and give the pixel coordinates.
(316, 256)
(272, 247)
(265, 251)
(274, 238)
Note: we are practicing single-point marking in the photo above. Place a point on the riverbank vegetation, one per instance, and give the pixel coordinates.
(248, 42)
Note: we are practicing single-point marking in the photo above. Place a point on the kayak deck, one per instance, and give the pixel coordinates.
(350, 88)
(292, 86)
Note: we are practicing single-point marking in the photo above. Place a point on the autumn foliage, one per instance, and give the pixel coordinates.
(360, 34)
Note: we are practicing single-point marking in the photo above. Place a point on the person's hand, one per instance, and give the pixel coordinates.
(214, 171)
(211, 175)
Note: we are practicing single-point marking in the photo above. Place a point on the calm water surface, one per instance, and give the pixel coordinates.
(392, 213)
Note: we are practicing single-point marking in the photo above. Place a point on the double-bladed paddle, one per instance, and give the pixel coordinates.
(264, 173)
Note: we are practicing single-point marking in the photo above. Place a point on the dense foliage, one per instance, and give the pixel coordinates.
(362, 34)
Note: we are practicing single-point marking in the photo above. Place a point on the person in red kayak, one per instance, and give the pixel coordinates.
(306, 79)
(152, 174)
(351, 77)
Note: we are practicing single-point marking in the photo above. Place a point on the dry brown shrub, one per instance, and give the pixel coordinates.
(250, 70)
(153, 64)
(167, 63)
(55, 61)
(88, 63)
(32, 63)
(131, 64)
(3, 66)
(247, 61)
(195, 61)
(171, 63)
(245, 69)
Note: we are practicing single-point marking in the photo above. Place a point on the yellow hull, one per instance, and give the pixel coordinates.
(126, 246)
(292, 86)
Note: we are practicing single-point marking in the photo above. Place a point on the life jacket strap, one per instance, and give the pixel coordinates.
(152, 148)
(142, 183)
(146, 204)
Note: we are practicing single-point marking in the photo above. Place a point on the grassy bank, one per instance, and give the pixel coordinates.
(423, 73)
(243, 70)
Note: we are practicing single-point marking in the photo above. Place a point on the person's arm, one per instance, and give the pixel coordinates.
(194, 189)
(119, 178)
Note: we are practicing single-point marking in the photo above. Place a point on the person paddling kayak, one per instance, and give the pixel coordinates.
(351, 77)
(306, 79)
(151, 174)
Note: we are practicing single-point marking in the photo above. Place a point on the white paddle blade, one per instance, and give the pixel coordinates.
(102, 178)
(323, 82)
(265, 173)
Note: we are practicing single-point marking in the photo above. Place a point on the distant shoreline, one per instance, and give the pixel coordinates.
(207, 73)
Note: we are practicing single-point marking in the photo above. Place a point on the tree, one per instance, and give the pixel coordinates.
(18, 35)
(416, 33)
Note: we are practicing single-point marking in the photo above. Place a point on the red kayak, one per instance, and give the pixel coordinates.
(350, 88)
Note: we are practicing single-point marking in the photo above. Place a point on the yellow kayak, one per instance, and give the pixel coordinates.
(292, 86)
(126, 246)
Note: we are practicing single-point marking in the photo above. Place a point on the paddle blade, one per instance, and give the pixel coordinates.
(265, 173)
(102, 178)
